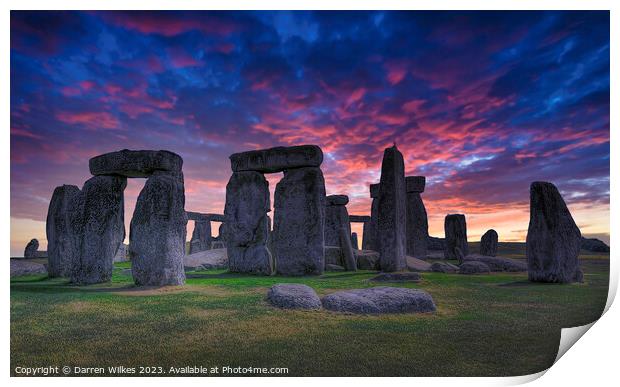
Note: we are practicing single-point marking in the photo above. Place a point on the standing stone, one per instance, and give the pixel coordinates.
(158, 230)
(31, 249)
(369, 241)
(553, 239)
(391, 232)
(247, 224)
(455, 230)
(417, 221)
(103, 229)
(121, 253)
(64, 228)
(350, 264)
(201, 236)
(488, 243)
(354, 242)
(336, 217)
(299, 222)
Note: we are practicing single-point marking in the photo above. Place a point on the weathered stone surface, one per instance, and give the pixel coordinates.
(121, 253)
(347, 250)
(354, 242)
(333, 256)
(397, 277)
(417, 226)
(498, 263)
(208, 259)
(359, 218)
(103, 229)
(455, 230)
(444, 267)
(488, 243)
(415, 184)
(437, 244)
(367, 259)
(135, 163)
(21, 267)
(31, 249)
(391, 225)
(474, 267)
(594, 245)
(247, 224)
(336, 217)
(277, 159)
(293, 296)
(337, 200)
(201, 236)
(369, 241)
(379, 300)
(415, 264)
(157, 232)
(553, 239)
(64, 227)
(332, 267)
(299, 222)
(375, 190)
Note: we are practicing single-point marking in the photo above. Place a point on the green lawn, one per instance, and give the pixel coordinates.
(489, 325)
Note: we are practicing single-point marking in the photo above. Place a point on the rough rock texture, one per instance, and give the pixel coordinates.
(369, 241)
(31, 249)
(474, 267)
(444, 267)
(157, 232)
(299, 222)
(247, 224)
(218, 245)
(277, 159)
(201, 236)
(336, 217)
(347, 250)
(332, 267)
(208, 259)
(131, 163)
(553, 239)
(103, 229)
(397, 277)
(391, 225)
(333, 255)
(21, 267)
(498, 263)
(595, 245)
(121, 253)
(415, 264)
(415, 184)
(417, 226)
(354, 242)
(367, 259)
(455, 230)
(379, 300)
(293, 296)
(64, 227)
(488, 243)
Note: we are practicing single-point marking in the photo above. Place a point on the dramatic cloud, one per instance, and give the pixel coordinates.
(481, 103)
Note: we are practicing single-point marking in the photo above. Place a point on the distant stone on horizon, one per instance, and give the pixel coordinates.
(31, 249)
(488, 243)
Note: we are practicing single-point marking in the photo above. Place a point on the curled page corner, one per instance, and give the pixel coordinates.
(569, 337)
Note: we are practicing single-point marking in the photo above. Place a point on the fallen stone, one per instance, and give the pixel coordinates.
(293, 296)
(415, 184)
(444, 267)
(379, 300)
(488, 243)
(415, 264)
(367, 259)
(498, 263)
(397, 277)
(474, 267)
(277, 159)
(21, 267)
(299, 220)
(31, 249)
(553, 239)
(132, 163)
(347, 250)
(157, 232)
(42, 254)
(455, 230)
(594, 245)
(332, 267)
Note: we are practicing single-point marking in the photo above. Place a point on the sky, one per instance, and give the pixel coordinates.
(481, 103)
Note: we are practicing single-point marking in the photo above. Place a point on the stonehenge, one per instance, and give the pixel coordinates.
(277, 159)
(201, 235)
(417, 221)
(488, 243)
(336, 217)
(553, 239)
(455, 230)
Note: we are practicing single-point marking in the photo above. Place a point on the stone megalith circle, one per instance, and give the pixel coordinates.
(157, 231)
(31, 248)
(135, 163)
(455, 229)
(103, 229)
(299, 221)
(488, 243)
(391, 225)
(553, 239)
(247, 224)
(336, 217)
(277, 159)
(64, 228)
(417, 220)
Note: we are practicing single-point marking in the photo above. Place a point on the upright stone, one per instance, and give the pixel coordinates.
(336, 217)
(103, 229)
(370, 227)
(553, 239)
(201, 236)
(158, 230)
(247, 224)
(64, 227)
(31, 249)
(417, 221)
(488, 243)
(350, 264)
(354, 241)
(391, 232)
(299, 222)
(455, 230)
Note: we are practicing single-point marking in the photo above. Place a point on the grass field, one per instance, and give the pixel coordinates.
(489, 325)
